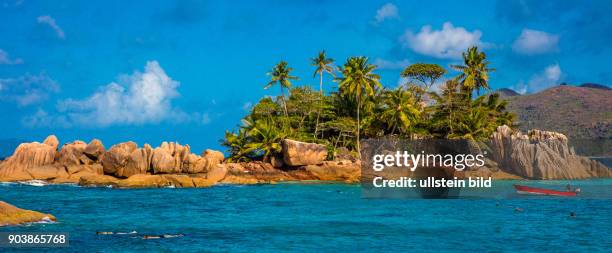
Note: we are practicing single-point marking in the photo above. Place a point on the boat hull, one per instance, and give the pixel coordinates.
(521, 189)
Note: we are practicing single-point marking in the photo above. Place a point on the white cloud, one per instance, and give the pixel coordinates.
(447, 43)
(139, 98)
(387, 64)
(27, 89)
(48, 20)
(532, 42)
(42, 118)
(387, 11)
(136, 99)
(5, 59)
(549, 77)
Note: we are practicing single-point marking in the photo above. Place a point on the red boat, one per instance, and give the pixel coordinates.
(540, 191)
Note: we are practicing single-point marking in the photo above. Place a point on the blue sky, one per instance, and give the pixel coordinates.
(186, 71)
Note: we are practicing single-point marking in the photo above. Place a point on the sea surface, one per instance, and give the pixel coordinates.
(316, 218)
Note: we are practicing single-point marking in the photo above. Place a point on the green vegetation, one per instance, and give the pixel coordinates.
(363, 108)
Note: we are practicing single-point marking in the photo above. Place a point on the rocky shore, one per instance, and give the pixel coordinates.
(126, 165)
(538, 155)
(11, 215)
(513, 155)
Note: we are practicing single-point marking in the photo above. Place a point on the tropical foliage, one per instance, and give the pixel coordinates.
(363, 108)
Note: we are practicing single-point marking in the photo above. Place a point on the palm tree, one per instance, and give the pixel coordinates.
(281, 74)
(324, 65)
(236, 142)
(400, 111)
(358, 79)
(474, 71)
(473, 125)
(265, 139)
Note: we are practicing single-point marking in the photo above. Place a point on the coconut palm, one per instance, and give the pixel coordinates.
(473, 125)
(281, 74)
(474, 71)
(236, 143)
(323, 65)
(400, 111)
(264, 138)
(358, 79)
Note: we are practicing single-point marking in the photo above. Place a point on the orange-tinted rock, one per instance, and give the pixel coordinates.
(179, 181)
(143, 181)
(214, 157)
(11, 215)
(94, 150)
(117, 156)
(27, 156)
(72, 154)
(346, 171)
(297, 153)
(98, 180)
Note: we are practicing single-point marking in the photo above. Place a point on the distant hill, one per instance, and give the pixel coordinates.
(595, 86)
(578, 112)
(584, 114)
(507, 92)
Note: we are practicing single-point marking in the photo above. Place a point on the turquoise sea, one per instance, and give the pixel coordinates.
(315, 218)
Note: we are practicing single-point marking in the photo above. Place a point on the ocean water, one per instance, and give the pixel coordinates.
(314, 218)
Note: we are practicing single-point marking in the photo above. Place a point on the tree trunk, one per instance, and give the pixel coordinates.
(283, 98)
(320, 103)
(358, 126)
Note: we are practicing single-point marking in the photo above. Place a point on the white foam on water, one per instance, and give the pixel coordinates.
(37, 183)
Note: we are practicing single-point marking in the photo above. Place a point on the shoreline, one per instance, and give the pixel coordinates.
(539, 155)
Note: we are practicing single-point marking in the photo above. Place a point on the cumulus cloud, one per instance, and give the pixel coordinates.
(549, 77)
(5, 59)
(532, 42)
(139, 98)
(27, 89)
(447, 43)
(387, 64)
(387, 11)
(50, 21)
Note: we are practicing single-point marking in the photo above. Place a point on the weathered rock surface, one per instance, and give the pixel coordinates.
(259, 172)
(213, 156)
(116, 157)
(170, 158)
(297, 153)
(94, 150)
(72, 154)
(347, 171)
(541, 155)
(11, 215)
(28, 156)
(78, 159)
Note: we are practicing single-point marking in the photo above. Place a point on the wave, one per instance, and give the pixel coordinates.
(44, 220)
(35, 182)
(127, 233)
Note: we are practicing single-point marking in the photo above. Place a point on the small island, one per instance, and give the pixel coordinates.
(309, 135)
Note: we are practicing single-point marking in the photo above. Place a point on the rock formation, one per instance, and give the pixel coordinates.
(537, 155)
(29, 156)
(78, 159)
(541, 155)
(297, 153)
(11, 215)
